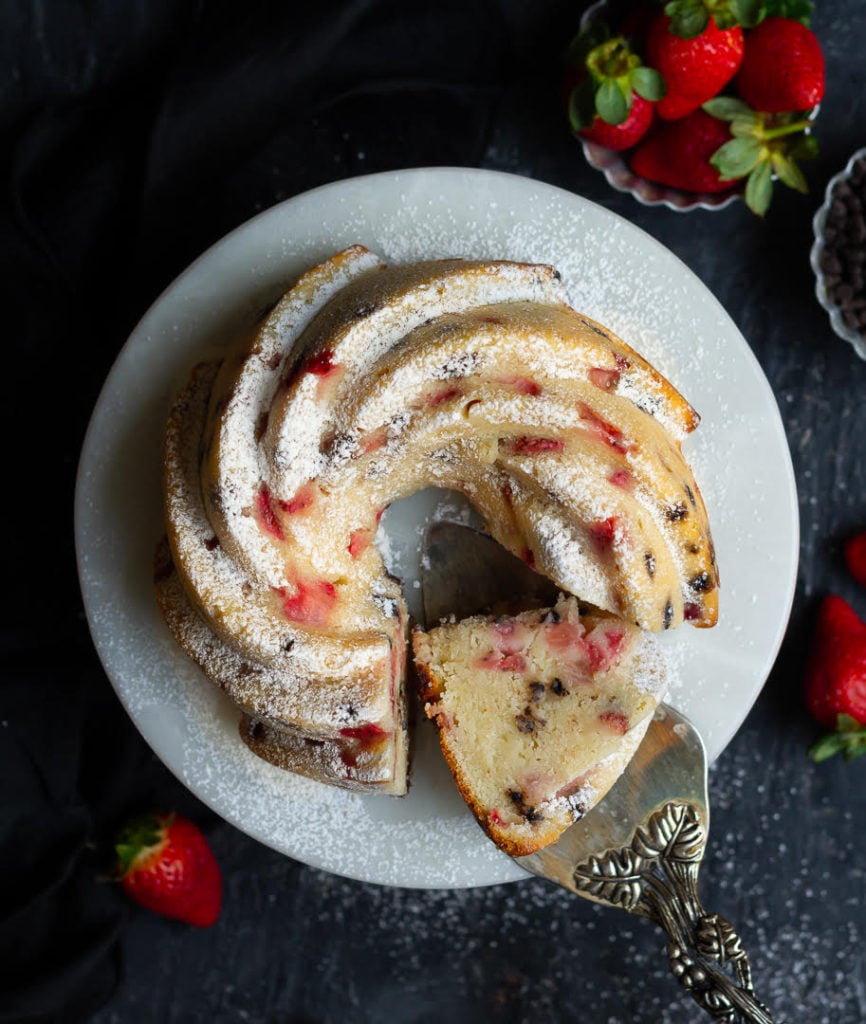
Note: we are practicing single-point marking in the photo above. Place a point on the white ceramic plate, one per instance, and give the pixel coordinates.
(616, 274)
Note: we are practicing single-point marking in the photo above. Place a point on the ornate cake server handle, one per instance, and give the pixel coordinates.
(651, 870)
(640, 848)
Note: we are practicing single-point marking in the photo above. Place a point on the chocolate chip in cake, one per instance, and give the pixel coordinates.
(701, 583)
(528, 721)
(650, 562)
(536, 692)
(676, 511)
(558, 688)
(668, 615)
(525, 723)
(518, 798)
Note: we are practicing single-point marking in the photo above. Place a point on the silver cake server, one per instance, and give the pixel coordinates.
(640, 848)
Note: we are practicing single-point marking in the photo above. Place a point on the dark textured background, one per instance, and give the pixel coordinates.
(134, 134)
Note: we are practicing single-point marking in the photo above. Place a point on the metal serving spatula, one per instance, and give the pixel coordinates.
(640, 848)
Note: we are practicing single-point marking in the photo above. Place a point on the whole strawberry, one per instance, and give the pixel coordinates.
(855, 556)
(625, 134)
(835, 682)
(678, 154)
(782, 68)
(695, 63)
(166, 865)
(609, 93)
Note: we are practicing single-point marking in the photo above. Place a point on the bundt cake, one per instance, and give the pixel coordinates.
(364, 384)
(538, 713)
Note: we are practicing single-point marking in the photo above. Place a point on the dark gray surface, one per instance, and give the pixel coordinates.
(786, 858)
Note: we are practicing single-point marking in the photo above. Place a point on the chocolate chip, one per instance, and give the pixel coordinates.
(650, 560)
(558, 688)
(525, 723)
(518, 798)
(842, 259)
(668, 615)
(676, 511)
(536, 692)
(701, 583)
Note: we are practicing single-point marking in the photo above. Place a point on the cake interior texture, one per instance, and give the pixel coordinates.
(538, 712)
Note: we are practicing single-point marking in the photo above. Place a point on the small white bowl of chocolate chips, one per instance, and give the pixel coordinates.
(838, 254)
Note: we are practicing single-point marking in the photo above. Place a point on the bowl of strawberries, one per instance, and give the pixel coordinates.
(696, 104)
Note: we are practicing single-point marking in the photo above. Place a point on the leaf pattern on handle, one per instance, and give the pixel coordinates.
(656, 877)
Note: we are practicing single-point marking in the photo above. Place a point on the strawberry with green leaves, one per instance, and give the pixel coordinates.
(165, 864)
(762, 146)
(783, 67)
(610, 93)
(679, 153)
(835, 689)
(697, 46)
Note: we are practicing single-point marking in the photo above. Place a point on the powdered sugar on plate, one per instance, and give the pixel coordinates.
(615, 274)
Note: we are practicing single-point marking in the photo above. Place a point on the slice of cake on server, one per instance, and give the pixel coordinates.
(538, 713)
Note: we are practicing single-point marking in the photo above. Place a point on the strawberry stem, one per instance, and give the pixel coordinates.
(785, 129)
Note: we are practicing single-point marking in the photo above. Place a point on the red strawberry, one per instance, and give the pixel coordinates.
(166, 865)
(625, 134)
(835, 683)
(695, 69)
(855, 556)
(678, 154)
(783, 67)
(609, 93)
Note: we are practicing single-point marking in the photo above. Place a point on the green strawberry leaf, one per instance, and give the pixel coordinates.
(648, 83)
(612, 101)
(729, 108)
(790, 175)
(735, 159)
(796, 10)
(759, 188)
(688, 17)
(849, 740)
(826, 747)
(751, 129)
(581, 105)
(745, 12)
(138, 834)
(804, 148)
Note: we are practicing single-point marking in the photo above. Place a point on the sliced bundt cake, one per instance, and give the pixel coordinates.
(364, 384)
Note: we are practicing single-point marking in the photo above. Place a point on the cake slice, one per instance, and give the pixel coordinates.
(538, 713)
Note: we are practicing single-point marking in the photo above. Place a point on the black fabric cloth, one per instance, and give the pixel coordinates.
(134, 134)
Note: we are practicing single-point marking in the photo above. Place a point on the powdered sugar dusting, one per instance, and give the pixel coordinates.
(614, 274)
